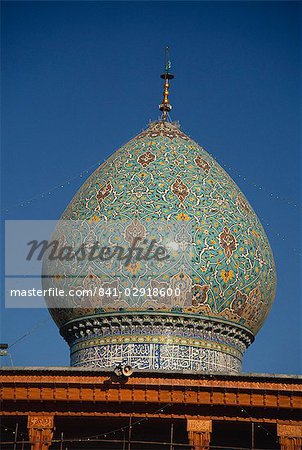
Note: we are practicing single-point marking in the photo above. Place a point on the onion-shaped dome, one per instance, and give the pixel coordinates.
(163, 176)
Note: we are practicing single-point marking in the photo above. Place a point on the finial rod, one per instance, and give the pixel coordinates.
(165, 106)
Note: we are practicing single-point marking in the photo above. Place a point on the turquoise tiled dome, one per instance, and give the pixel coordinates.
(162, 174)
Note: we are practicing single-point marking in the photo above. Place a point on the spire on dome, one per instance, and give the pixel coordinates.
(165, 106)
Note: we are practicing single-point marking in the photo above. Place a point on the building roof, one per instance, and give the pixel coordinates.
(96, 371)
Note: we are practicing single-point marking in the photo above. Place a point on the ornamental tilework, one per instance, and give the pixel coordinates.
(156, 356)
(163, 175)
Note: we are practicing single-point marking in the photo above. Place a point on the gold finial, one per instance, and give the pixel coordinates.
(165, 106)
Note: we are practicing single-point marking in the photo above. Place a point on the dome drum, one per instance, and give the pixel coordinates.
(147, 342)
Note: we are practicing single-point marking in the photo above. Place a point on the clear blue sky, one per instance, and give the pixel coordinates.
(81, 78)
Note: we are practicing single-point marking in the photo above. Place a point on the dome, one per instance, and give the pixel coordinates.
(163, 176)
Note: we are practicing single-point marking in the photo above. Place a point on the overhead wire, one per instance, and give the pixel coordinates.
(227, 166)
(31, 330)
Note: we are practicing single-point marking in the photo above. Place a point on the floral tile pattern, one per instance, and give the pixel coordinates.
(163, 175)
